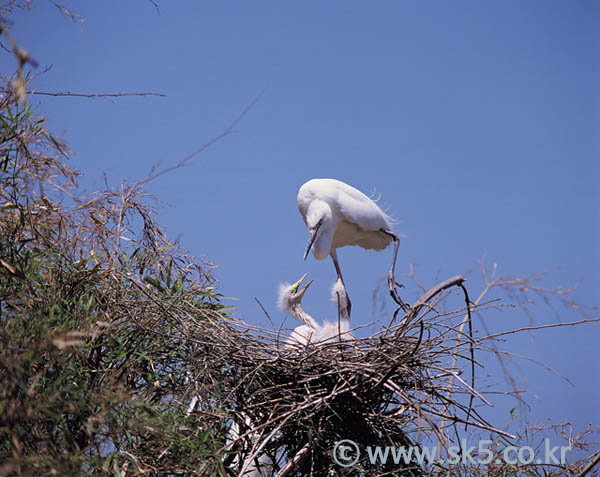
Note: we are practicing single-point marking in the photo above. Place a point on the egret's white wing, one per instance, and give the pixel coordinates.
(361, 218)
(361, 210)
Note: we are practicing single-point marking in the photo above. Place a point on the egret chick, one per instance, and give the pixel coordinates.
(336, 214)
(290, 301)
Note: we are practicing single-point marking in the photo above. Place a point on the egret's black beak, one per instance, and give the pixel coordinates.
(311, 240)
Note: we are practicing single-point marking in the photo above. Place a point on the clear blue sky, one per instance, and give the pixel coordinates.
(476, 121)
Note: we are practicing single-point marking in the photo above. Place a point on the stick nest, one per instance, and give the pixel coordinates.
(294, 402)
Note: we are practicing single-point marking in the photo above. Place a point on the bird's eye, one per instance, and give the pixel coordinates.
(316, 226)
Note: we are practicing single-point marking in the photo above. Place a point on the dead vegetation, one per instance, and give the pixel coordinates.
(117, 355)
(410, 384)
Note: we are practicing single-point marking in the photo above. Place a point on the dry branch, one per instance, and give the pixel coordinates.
(388, 374)
(184, 362)
(93, 95)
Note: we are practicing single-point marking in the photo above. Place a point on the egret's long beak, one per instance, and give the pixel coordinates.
(300, 293)
(311, 240)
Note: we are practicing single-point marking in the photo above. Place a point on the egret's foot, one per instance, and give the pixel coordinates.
(394, 293)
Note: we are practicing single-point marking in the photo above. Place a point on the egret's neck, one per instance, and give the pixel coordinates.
(298, 313)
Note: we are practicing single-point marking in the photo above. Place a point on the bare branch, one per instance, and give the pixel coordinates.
(227, 131)
(73, 15)
(591, 465)
(155, 6)
(93, 95)
(431, 293)
(537, 327)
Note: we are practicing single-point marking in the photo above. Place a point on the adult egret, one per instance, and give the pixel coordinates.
(290, 301)
(336, 214)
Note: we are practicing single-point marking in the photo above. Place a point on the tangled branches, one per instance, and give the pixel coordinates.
(94, 302)
(390, 387)
(411, 384)
(117, 356)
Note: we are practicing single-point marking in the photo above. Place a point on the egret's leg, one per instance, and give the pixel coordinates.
(333, 255)
(391, 279)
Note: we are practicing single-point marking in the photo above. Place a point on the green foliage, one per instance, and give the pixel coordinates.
(109, 333)
(93, 354)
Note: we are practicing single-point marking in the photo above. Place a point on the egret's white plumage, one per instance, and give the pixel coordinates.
(340, 215)
(336, 214)
(290, 301)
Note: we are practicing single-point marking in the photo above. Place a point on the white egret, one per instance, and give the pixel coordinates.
(290, 301)
(336, 214)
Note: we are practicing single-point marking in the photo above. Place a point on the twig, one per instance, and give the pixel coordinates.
(471, 349)
(456, 280)
(472, 391)
(74, 16)
(591, 465)
(228, 130)
(538, 327)
(298, 458)
(155, 6)
(265, 312)
(400, 359)
(93, 95)
(480, 425)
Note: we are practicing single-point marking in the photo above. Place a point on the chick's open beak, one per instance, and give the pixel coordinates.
(302, 291)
